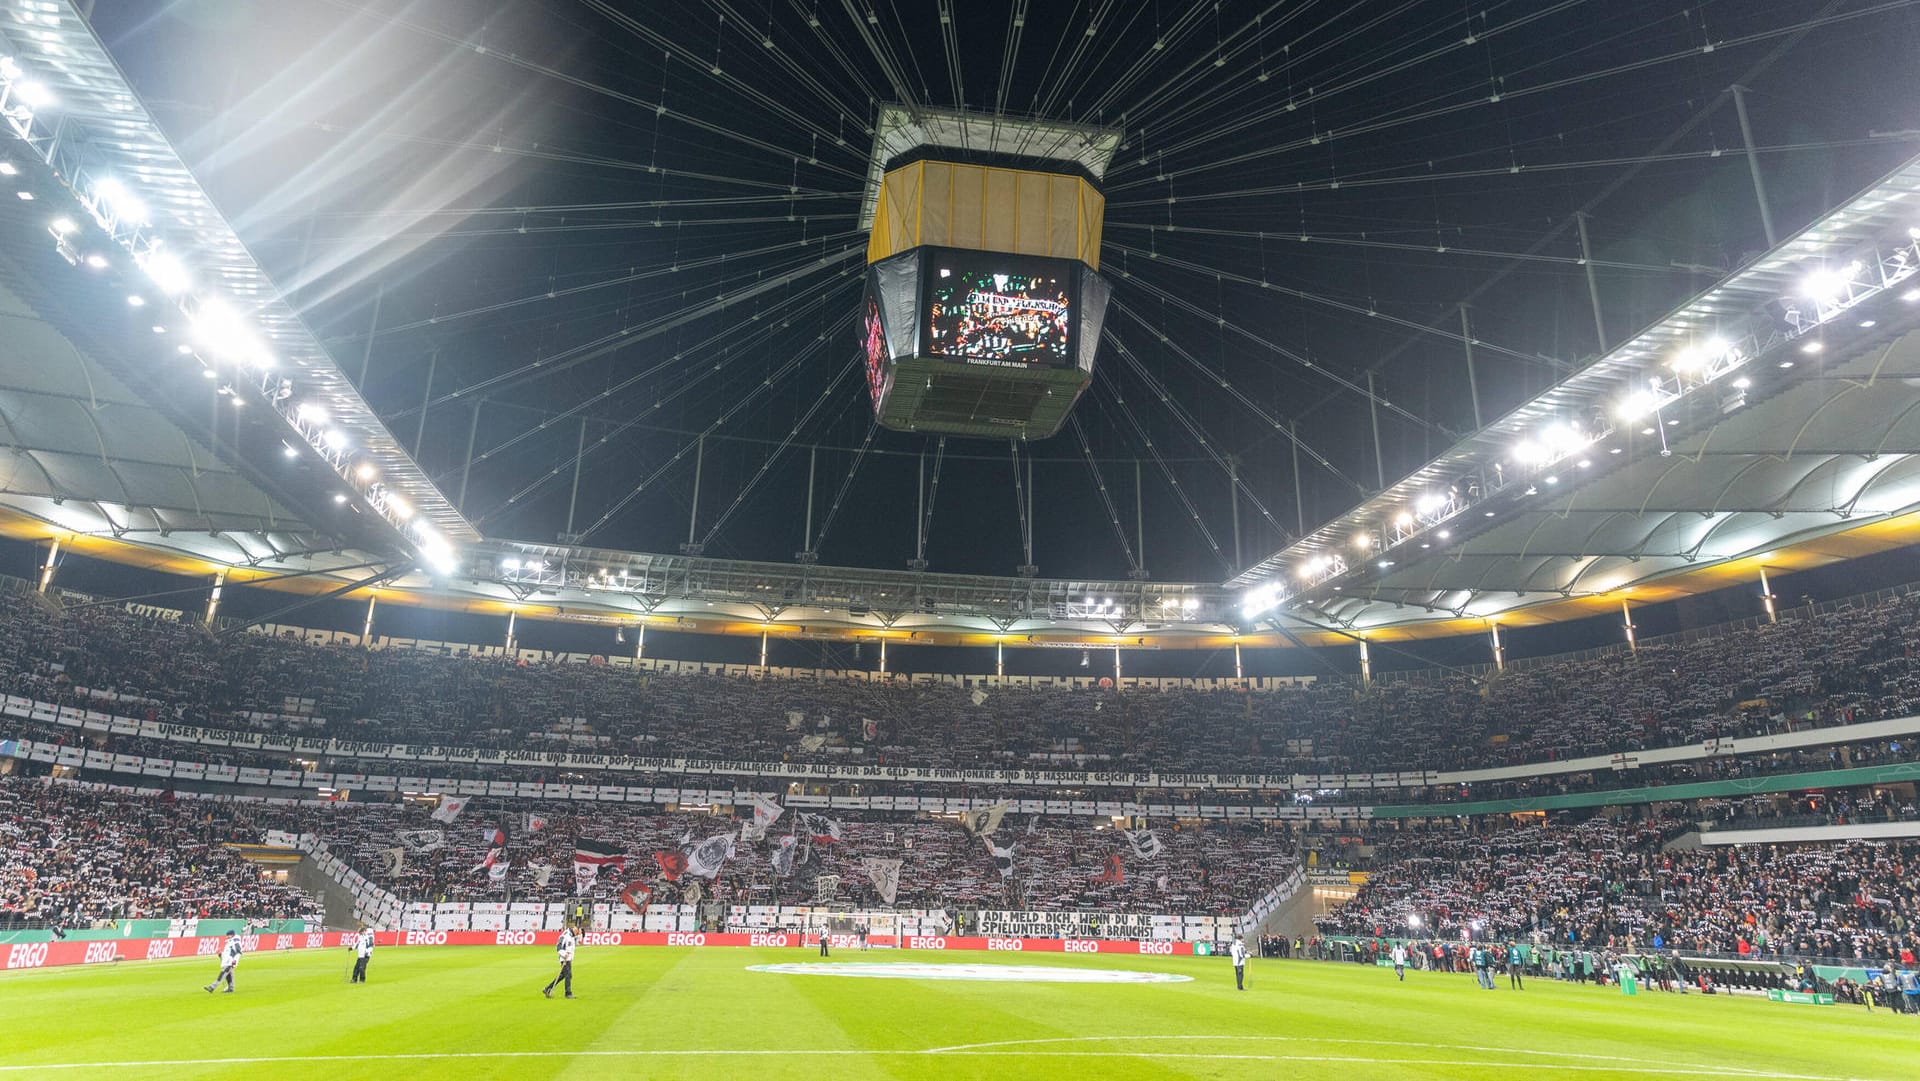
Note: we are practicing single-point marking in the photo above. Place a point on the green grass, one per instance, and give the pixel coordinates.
(464, 1010)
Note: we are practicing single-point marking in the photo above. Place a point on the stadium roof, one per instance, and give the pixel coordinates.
(1794, 465)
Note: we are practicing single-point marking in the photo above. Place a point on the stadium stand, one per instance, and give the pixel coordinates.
(1843, 666)
(1605, 882)
(70, 857)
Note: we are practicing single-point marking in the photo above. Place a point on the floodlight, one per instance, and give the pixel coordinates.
(1363, 540)
(1813, 348)
(401, 509)
(166, 270)
(34, 95)
(1638, 404)
(122, 204)
(97, 261)
(1190, 603)
(63, 226)
(1826, 283)
(310, 413)
(366, 471)
(8, 168)
(1430, 503)
(510, 565)
(334, 439)
(1404, 520)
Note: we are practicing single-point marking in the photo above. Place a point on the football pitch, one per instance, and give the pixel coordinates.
(466, 1014)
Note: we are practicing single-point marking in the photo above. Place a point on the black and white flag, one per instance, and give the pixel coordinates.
(1002, 857)
(422, 840)
(705, 859)
(1146, 844)
(396, 861)
(985, 820)
(783, 853)
(885, 874)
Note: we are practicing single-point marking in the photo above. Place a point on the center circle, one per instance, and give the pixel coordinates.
(906, 970)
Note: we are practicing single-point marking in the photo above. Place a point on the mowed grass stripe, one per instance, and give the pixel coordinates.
(640, 1009)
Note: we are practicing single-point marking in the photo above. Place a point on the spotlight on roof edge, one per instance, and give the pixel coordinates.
(122, 205)
(168, 273)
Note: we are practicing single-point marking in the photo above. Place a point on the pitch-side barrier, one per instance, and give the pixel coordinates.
(23, 955)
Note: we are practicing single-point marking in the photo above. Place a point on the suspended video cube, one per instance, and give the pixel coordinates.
(984, 304)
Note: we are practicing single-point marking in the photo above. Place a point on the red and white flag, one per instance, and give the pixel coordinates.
(450, 808)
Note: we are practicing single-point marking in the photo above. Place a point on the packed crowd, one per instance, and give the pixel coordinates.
(1606, 883)
(1850, 665)
(1057, 864)
(70, 857)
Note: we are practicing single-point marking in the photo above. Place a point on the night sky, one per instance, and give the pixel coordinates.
(644, 215)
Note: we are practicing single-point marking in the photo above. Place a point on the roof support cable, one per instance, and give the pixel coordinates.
(846, 484)
(1193, 513)
(1106, 497)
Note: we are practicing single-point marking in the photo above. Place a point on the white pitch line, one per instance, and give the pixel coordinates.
(1228, 1037)
(836, 1052)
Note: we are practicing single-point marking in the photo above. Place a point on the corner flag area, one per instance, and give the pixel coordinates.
(471, 1013)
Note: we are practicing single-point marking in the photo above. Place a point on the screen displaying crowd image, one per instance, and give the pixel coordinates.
(1000, 315)
(876, 343)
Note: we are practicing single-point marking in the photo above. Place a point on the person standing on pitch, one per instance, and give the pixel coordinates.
(362, 953)
(1400, 961)
(823, 940)
(1514, 960)
(1239, 951)
(229, 957)
(564, 948)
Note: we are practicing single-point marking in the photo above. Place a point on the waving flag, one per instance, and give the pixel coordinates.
(885, 875)
(534, 823)
(396, 861)
(599, 854)
(492, 860)
(450, 808)
(1115, 873)
(766, 811)
(585, 875)
(707, 857)
(985, 820)
(820, 827)
(673, 863)
(1002, 857)
(498, 872)
(1146, 844)
(494, 836)
(783, 854)
(542, 874)
(422, 840)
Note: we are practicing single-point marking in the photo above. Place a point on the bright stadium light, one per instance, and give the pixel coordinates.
(1828, 284)
(1430, 503)
(311, 413)
(168, 273)
(33, 94)
(122, 205)
(63, 226)
(1638, 404)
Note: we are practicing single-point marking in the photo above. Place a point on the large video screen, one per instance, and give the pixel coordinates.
(990, 308)
(875, 341)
